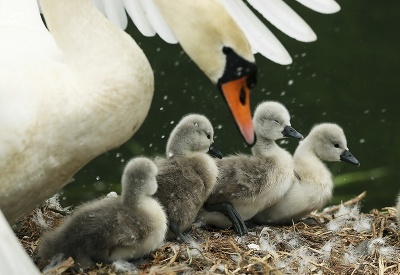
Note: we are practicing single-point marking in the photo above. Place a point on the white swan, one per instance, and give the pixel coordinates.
(65, 97)
(61, 106)
(313, 187)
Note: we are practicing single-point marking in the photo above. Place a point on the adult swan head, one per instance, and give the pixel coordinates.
(213, 40)
(65, 96)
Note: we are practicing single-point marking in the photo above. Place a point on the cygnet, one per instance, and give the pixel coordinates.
(113, 228)
(313, 187)
(249, 183)
(188, 174)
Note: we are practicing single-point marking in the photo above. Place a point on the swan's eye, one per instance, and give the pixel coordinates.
(276, 121)
(227, 50)
(208, 136)
(252, 80)
(336, 145)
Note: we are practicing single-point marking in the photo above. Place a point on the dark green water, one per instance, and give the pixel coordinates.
(349, 76)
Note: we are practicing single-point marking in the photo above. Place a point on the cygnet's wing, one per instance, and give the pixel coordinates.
(241, 178)
(182, 188)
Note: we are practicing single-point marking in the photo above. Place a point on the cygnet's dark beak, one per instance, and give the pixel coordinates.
(348, 157)
(214, 152)
(289, 131)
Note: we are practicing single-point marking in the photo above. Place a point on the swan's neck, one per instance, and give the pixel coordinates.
(309, 167)
(265, 147)
(176, 150)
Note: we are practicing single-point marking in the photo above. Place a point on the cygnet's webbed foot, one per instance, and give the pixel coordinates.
(85, 262)
(174, 227)
(228, 210)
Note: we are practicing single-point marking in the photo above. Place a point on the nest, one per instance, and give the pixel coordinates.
(338, 240)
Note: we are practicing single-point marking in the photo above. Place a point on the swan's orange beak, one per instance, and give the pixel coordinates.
(237, 95)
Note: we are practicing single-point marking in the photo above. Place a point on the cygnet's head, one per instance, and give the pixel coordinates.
(329, 143)
(194, 133)
(139, 178)
(272, 122)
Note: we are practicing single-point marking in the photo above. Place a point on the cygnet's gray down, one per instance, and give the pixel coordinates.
(247, 184)
(113, 228)
(188, 174)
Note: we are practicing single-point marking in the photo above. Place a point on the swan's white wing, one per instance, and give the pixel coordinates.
(13, 259)
(148, 19)
(114, 10)
(157, 21)
(322, 6)
(144, 14)
(260, 38)
(137, 14)
(284, 18)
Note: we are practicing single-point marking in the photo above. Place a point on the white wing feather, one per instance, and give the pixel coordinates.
(260, 37)
(116, 12)
(157, 21)
(284, 18)
(144, 14)
(137, 14)
(321, 6)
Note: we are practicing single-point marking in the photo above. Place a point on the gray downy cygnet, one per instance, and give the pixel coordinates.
(115, 227)
(247, 184)
(188, 174)
(313, 187)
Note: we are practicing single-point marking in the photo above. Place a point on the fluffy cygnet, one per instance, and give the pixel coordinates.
(188, 174)
(113, 228)
(247, 184)
(312, 189)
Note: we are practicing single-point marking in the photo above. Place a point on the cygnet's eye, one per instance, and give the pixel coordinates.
(208, 136)
(276, 121)
(336, 145)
